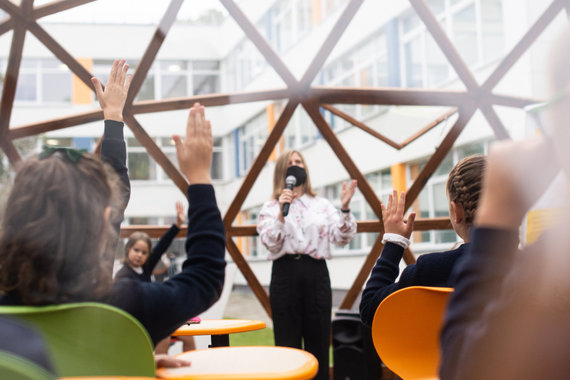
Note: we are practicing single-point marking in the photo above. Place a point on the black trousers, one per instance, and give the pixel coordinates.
(301, 302)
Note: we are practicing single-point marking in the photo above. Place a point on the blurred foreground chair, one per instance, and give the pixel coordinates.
(16, 367)
(405, 331)
(90, 339)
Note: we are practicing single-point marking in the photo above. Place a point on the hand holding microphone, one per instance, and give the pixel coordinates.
(290, 182)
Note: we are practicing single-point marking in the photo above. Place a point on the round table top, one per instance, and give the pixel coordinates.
(241, 363)
(219, 327)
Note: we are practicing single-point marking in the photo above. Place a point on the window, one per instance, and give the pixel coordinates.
(141, 166)
(474, 26)
(205, 77)
(173, 79)
(363, 66)
(43, 81)
(251, 138)
(217, 170)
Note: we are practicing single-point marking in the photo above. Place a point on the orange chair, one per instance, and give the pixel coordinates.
(406, 328)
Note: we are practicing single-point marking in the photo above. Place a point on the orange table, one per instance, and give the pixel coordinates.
(244, 363)
(219, 329)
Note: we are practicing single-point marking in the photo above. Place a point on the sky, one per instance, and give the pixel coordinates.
(130, 11)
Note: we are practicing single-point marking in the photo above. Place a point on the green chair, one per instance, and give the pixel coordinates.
(90, 339)
(15, 367)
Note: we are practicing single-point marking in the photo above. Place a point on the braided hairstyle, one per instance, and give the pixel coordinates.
(465, 183)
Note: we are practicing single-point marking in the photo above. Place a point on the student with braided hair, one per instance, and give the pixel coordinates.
(434, 269)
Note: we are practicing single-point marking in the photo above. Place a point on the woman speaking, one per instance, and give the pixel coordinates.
(297, 227)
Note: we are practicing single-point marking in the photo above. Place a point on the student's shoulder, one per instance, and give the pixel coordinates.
(450, 255)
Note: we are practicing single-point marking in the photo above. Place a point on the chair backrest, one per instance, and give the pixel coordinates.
(406, 328)
(15, 367)
(90, 339)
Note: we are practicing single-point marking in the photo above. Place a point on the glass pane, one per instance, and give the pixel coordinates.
(147, 89)
(436, 6)
(445, 166)
(440, 202)
(26, 88)
(411, 22)
(205, 84)
(492, 29)
(437, 67)
(413, 62)
(173, 86)
(447, 236)
(465, 34)
(173, 66)
(133, 142)
(470, 150)
(217, 170)
(141, 167)
(56, 87)
(205, 65)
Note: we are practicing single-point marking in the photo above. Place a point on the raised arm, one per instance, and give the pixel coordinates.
(396, 238)
(163, 307)
(484, 316)
(113, 149)
(166, 239)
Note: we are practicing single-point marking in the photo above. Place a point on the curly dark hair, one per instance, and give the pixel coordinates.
(465, 182)
(56, 241)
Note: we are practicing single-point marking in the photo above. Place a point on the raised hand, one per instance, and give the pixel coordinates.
(195, 152)
(180, 217)
(393, 215)
(347, 192)
(112, 99)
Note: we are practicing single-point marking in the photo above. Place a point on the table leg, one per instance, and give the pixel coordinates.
(220, 340)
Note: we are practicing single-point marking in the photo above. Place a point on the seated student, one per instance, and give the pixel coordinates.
(509, 315)
(434, 269)
(59, 231)
(140, 257)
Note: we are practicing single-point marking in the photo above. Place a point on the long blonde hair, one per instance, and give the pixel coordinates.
(279, 174)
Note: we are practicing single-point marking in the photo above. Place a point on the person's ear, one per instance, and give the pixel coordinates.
(458, 212)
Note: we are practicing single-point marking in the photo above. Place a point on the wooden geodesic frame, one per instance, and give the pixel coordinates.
(23, 18)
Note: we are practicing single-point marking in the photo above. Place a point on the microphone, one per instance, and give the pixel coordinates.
(290, 183)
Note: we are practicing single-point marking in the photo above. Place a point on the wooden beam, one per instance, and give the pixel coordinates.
(151, 51)
(360, 125)
(6, 25)
(156, 153)
(494, 121)
(11, 8)
(264, 48)
(252, 280)
(439, 155)
(362, 226)
(327, 46)
(430, 126)
(333, 141)
(522, 46)
(57, 6)
(390, 96)
(155, 232)
(55, 124)
(11, 152)
(445, 44)
(259, 162)
(510, 101)
(11, 79)
(210, 100)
